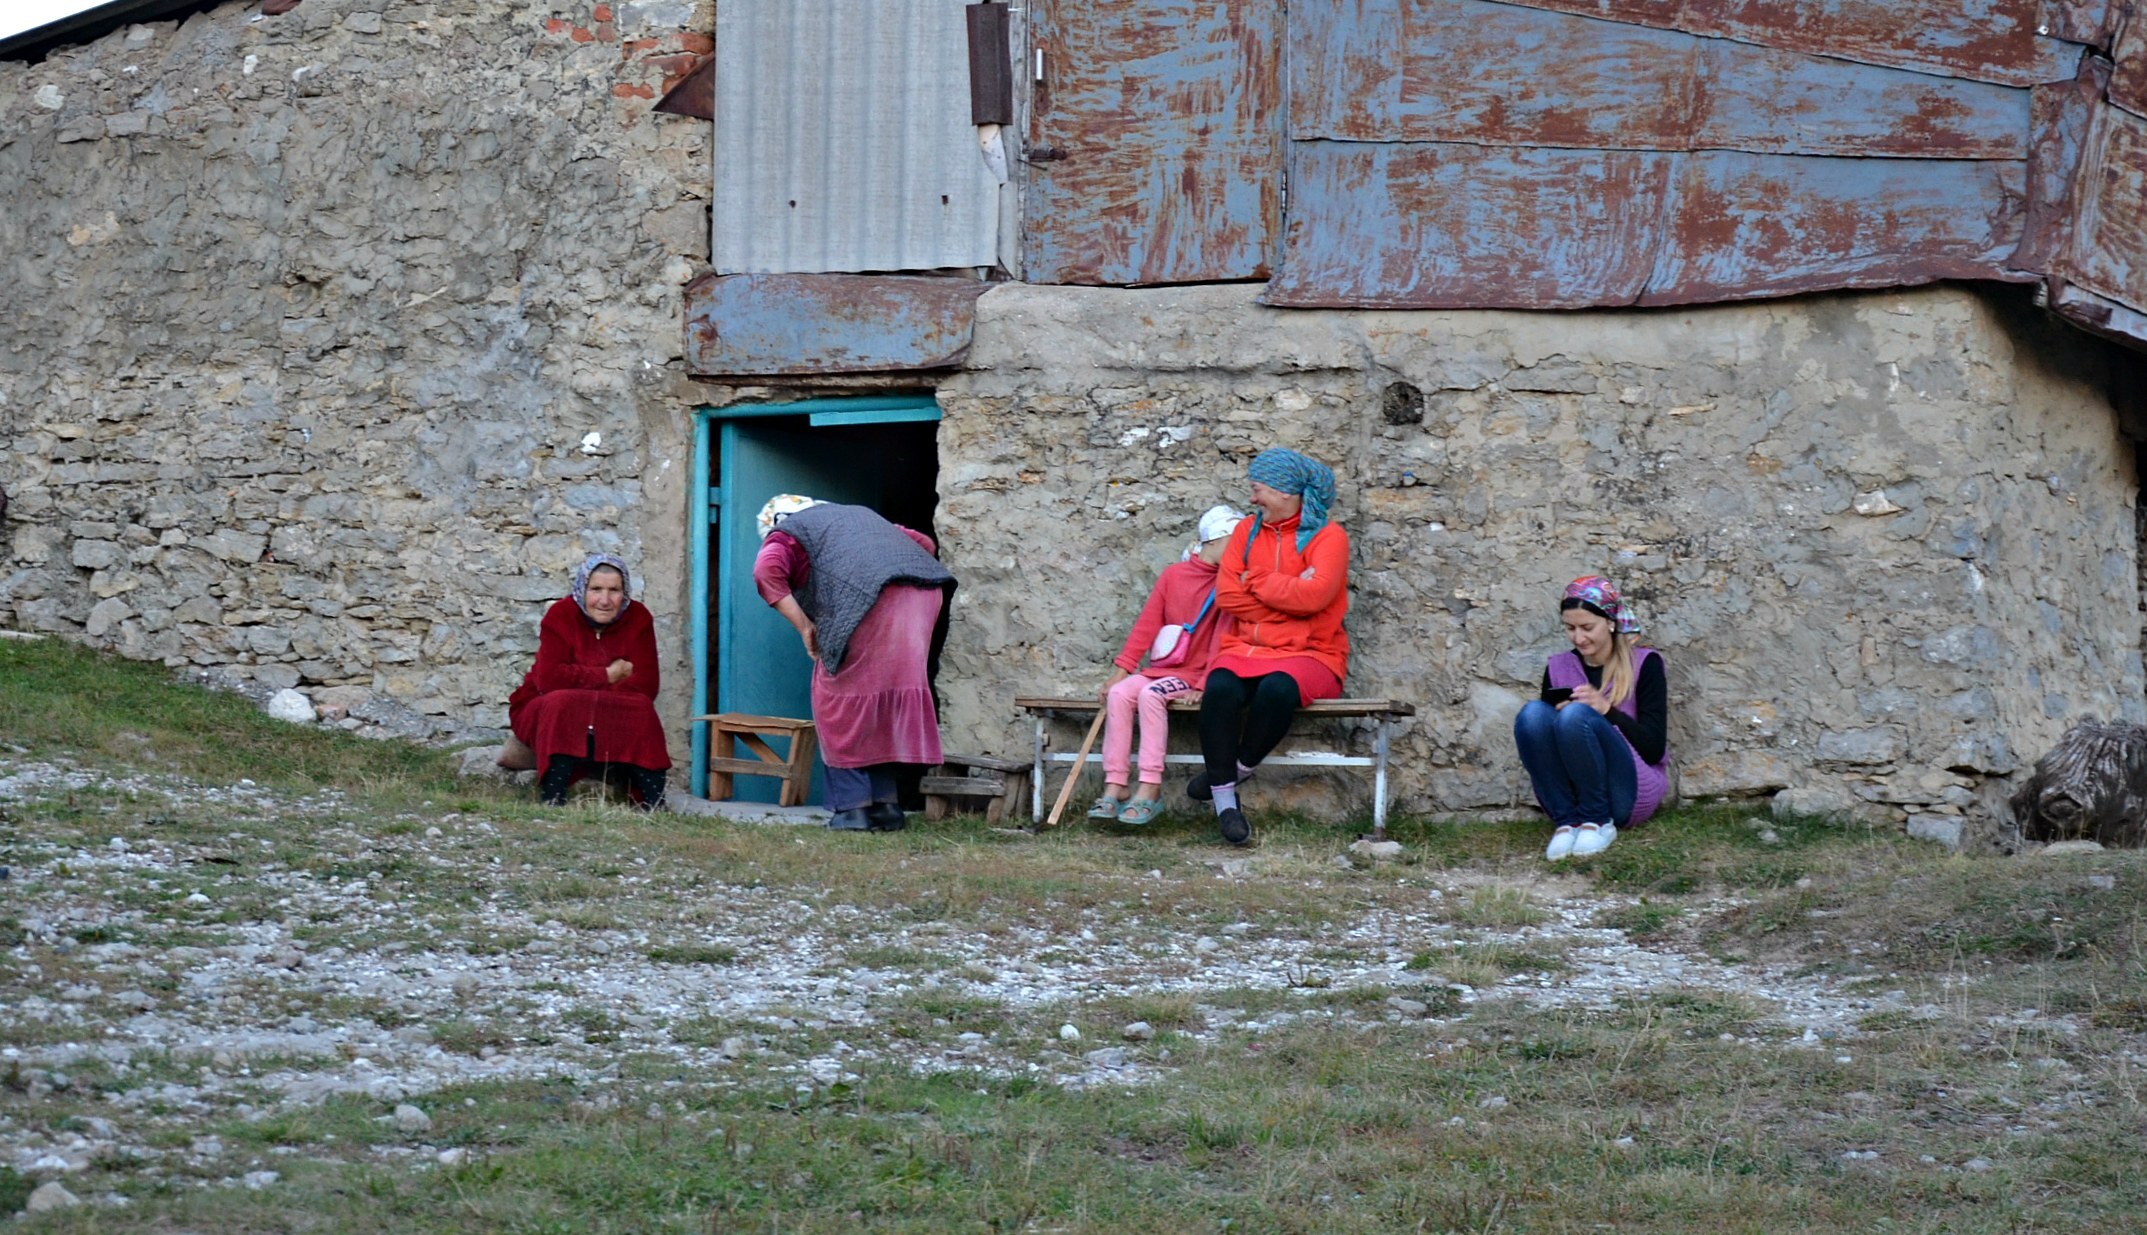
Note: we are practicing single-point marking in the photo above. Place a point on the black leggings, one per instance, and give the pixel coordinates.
(1241, 720)
(646, 784)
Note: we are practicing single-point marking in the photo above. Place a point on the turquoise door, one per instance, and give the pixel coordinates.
(760, 663)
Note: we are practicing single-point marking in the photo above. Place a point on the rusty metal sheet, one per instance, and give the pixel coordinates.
(1497, 74)
(695, 93)
(1751, 225)
(1154, 141)
(1443, 225)
(2057, 135)
(1438, 225)
(754, 325)
(2090, 23)
(1984, 40)
(2128, 79)
(2094, 313)
(2108, 252)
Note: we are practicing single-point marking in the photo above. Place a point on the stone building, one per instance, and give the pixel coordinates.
(334, 339)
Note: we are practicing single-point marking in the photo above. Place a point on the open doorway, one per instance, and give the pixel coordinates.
(880, 452)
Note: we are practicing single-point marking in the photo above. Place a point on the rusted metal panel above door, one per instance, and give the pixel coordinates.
(2128, 82)
(1154, 141)
(1497, 74)
(1444, 225)
(2108, 253)
(1985, 40)
(752, 325)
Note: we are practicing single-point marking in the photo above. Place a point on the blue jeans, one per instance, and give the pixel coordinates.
(849, 788)
(1580, 764)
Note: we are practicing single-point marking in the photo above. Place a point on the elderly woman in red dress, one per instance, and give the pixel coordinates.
(590, 700)
(865, 596)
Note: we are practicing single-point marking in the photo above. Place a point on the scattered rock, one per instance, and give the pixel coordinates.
(1944, 830)
(2057, 848)
(1112, 1057)
(51, 1196)
(290, 705)
(257, 1180)
(1377, 850)
(410, 1121)
(1067, 1033)
(1408, 1007)
(1492, 1103)
(1138, 1031)
(1977, 1165)
(481, 762)
(452, 1157)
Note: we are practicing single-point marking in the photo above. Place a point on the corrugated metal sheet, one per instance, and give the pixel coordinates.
(1441, 225)
(1491, 73)
(1154, 141)
(843, 140)
(754, 325)
(1985, 40)
(2108, 254)
(2128, 84)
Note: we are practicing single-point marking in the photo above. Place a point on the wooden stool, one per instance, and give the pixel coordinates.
(1004, 781)
(795, 771)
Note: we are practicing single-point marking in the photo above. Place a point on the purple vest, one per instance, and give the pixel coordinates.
(1566, 671)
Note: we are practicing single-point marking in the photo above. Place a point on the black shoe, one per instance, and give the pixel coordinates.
(1200, 790)
(1236, 829)
(648, 786)
(552, 790)
(852, 820)
(886, 817)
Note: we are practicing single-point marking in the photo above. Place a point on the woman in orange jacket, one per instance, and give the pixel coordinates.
(1285, 578)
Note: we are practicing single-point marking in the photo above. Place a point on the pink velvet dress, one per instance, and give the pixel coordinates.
(878, 709)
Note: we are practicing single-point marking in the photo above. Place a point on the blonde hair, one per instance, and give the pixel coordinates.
(1619, 671)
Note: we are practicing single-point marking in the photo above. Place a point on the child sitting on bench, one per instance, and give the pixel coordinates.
(1176, 632)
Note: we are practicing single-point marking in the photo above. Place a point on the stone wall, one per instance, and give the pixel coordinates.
(332, 341)
(1886, 540)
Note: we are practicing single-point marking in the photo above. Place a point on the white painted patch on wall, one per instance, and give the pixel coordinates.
(591, 442)
(48, 96)
(247, 66)
(1131, 436)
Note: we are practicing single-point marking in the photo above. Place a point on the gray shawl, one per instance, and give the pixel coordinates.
(854, 554)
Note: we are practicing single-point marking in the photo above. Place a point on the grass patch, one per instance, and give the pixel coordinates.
(60, 698)
(1644, 919)
(1498, 905)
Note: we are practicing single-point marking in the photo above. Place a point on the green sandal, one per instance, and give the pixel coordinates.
(1105, 807)
(1140, 811)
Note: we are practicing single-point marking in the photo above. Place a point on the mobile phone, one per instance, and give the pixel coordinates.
(1557, 695)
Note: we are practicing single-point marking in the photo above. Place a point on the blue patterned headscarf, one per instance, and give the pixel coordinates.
(590, 565)
(1286, 471)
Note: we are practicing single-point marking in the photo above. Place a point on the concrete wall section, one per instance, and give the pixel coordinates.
(1886, 541)
(332, 341)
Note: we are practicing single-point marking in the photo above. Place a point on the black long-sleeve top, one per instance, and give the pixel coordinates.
(1649, 731)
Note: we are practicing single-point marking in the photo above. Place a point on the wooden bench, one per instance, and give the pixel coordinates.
(795, 769)
(1004, 781)
(1384, 713)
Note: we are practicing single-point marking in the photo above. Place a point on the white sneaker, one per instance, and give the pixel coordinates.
(1561, 844)
(1594, 838)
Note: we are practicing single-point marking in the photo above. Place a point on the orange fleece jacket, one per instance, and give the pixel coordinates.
(1286, 603)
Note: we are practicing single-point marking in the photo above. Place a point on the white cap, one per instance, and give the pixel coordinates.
(1218, 523)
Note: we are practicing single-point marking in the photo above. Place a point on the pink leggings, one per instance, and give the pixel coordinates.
(1152, 697)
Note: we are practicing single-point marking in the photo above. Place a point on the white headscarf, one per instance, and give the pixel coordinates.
(781, 507)
(1216, 523)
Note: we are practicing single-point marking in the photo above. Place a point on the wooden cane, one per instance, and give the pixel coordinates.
(1073, 777)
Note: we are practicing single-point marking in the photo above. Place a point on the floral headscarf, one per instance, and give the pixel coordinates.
(1601, 596)
(1286, 471)
(781, 507)
(590, 565)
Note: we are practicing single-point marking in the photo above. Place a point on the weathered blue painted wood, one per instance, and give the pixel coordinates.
(1446, 225)
(1984, 40)
(1155, 141)
(1500, 74)
(1751, 225)
(2108, 255)
(1442, 225)
(770, 324)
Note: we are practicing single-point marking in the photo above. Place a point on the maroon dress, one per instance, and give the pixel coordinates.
(878, 709)
(567, 704)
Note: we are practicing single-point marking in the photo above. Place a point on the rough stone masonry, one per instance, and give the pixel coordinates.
(332, 340)
(1885, 540)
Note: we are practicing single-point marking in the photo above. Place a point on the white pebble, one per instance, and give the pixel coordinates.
(1067, 1033)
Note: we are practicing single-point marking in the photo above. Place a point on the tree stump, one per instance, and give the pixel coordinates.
(2091, 786)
